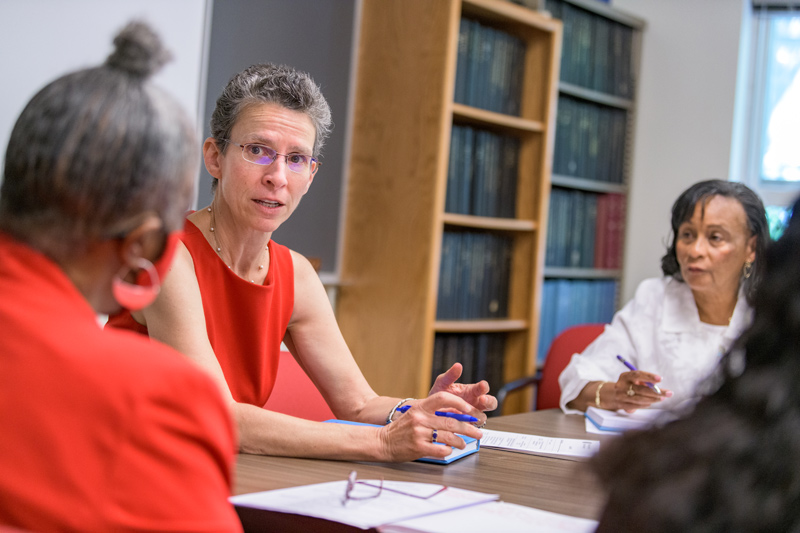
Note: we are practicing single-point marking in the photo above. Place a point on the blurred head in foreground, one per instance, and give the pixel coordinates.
(729, 464)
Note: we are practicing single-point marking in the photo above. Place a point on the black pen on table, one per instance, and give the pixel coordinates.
(653, 386)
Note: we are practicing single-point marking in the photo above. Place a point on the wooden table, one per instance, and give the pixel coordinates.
(557, 485)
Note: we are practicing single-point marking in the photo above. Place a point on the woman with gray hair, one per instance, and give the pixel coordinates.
(102, 430)
(234, 294)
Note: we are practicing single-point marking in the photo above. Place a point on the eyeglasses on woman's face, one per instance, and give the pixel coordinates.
(264, 155)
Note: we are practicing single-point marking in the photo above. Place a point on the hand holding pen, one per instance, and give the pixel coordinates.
(448, 414)
(458, 416)
(444, 414)
(425, 424)
(632, 368)
(636, 391)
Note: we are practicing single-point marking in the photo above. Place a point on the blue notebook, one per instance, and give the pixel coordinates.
(471, 445)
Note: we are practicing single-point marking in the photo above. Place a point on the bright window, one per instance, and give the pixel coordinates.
(766, 154)
(780, 146)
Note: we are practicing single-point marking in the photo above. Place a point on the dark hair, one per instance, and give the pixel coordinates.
(268, 83)
(683, 209)
(730, 463)
(95, 149)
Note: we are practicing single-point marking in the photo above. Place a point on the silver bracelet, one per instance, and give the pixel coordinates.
(394, 409)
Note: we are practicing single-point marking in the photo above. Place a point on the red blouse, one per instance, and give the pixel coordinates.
(103, 430)
(246, 322)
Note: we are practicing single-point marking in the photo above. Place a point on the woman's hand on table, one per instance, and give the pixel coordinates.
(411, 434)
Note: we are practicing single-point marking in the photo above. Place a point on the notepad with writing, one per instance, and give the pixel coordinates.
(617, 421)
(472, 445)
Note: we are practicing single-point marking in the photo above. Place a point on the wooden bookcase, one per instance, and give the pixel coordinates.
(395, 212)
(592, 163)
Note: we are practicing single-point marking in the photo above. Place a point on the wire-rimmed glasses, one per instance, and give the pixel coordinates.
(351, 485)
(352, 482)
(264, 155)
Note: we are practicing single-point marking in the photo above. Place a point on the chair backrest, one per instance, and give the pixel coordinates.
(570, 341)
(295, 394)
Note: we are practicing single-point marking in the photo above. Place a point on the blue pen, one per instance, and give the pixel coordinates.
(457, 416)
(633, 368)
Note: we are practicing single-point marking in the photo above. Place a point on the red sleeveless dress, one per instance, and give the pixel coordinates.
(245, 322)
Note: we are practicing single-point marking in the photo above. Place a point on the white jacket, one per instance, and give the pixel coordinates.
(659, 331)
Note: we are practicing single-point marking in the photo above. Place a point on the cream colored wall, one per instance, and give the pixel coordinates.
(43, 39)
(685, 104)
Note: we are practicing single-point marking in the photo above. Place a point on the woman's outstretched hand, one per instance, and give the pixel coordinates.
(475, 394)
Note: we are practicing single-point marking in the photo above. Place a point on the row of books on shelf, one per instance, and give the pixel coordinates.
(596, 51)
(590, 140)
(481, 355)
(569, 302)
(585, 229)
(489, 68)
(482, 173)
(474, 273)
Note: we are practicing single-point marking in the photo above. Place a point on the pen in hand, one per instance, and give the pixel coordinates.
(457, 416)
(653, 386)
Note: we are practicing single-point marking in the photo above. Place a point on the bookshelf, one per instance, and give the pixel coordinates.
(437, 265)
(591, 164)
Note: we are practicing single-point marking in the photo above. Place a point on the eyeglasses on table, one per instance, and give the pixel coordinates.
(376, 490)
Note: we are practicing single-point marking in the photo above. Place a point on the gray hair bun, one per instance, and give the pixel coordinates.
(138, 51)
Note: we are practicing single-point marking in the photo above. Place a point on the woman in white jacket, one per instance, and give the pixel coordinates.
(676, 328)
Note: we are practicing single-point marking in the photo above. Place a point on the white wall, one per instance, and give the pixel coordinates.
(685, 116)
(43, 39)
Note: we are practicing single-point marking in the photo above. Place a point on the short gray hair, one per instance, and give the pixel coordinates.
(269, 83)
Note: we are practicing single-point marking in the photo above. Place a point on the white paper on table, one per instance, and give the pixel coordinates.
(536, 444)
(494, 516)
(324, 500)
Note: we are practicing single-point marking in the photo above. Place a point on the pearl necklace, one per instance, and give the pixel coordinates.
(219, 249)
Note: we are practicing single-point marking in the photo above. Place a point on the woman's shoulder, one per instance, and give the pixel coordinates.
(653, 287)
(193, 246)
(282, 250)
(151, 368)
(191, 231)
(652, 295)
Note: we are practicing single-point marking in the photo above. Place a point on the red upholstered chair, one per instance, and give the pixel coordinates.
(570, 341)
(295, 394)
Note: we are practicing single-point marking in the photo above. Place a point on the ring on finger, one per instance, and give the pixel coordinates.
(630, 390)
(435, 435)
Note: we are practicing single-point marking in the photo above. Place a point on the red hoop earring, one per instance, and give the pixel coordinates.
(139, 295)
